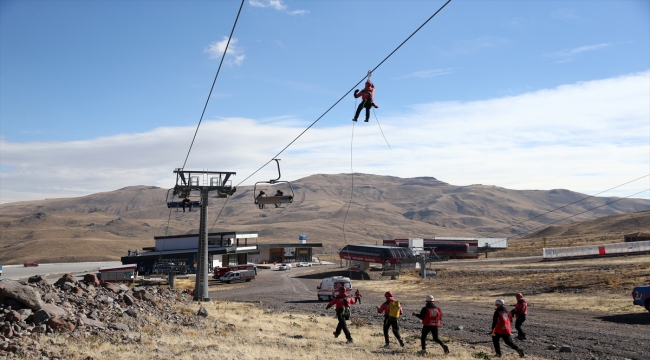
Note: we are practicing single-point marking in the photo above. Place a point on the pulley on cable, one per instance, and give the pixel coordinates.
(262, 198)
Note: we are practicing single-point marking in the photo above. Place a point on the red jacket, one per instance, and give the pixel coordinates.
(368, 92)
(521, 308)
(501, 322)
(385, 307)
(341, 302)
(430, 315)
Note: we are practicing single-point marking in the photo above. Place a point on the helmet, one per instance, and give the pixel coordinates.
(388, 294)
(499, 302)
(429, 298)
(519, 296)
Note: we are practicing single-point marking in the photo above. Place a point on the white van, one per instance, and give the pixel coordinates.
(330, 285)
(238, 275)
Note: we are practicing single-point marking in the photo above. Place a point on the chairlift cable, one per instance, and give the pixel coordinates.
(346, 94)
(215, 220)
(213, 82)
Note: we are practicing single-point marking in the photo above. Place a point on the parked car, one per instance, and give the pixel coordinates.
(284, 267)
(303, 264)
(641, 296)
(30, 264)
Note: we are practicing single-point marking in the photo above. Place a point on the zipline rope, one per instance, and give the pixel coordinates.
(382, 131)
(346, 94)
(352, 188)
(213, 82)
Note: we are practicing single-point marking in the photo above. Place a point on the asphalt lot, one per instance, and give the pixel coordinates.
(16, 272)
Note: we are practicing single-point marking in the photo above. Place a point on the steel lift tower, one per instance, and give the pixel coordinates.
(188, 183)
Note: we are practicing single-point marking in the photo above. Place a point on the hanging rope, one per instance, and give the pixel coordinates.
(382, 131)
(352, 187)
(346, 94)
(213, 82)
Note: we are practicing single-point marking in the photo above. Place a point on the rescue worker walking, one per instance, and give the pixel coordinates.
(342, 303)
(501, 328)
(367, 96)
(520, 311)
(392, 310)
(357, 296)
(431, 317)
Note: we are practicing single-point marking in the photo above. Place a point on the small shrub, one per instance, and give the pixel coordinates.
(358, 322)
(481, 355)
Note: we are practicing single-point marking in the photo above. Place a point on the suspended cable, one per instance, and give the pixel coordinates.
(352, 187)
(215, 220)
(346, 94)
(382, 131)
(213, 82)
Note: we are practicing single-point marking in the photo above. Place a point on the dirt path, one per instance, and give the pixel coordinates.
(589, 334)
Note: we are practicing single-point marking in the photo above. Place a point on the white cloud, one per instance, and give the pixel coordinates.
(569, 55)
(277, 5)
(427, 73)
(586, 137)
(234, 54)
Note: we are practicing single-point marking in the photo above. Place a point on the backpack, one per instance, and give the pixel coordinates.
(393, 309)
(346, 310)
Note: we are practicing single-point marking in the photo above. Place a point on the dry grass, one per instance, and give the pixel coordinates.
(592, 284)
(247, 331)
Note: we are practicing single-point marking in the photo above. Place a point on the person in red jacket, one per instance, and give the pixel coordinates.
(520, 311)
(367, 96)
(431, 316)
(342, 301)
(501, 328)
(391, 320)
(357, 297)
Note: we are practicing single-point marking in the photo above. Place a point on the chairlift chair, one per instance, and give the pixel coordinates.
(273, 199)
(176, 204)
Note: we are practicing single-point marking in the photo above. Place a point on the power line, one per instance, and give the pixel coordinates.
(346, 94)
(213, 82)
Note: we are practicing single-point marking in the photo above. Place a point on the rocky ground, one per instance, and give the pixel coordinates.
(32, 312)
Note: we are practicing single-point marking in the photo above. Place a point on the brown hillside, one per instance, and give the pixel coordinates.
(105, 225)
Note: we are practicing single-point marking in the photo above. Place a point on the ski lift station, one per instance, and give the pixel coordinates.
(224, 248)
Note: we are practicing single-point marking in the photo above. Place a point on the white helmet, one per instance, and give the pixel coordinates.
(429, 298)
(499, 302)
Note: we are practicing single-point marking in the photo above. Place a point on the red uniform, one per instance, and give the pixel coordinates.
(521, 308)
(368, 92)
(503, 324)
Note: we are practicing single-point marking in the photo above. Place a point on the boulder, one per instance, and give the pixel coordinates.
(12, 316)
(54, 310)
(40, 317)
(132, 312)
(202, 312)
(67, 286)
(123, 288)
(128, 300)
(111, 287)
(39, 329)
(6, 330)
(37, 279)
(565, 348)
(51, 297)
(24, 313)
(77, 290)
(24, 294)
(60, 325)
(90, 322)
(64, 279)
(118, 326)
(91, 279)
(552, 347)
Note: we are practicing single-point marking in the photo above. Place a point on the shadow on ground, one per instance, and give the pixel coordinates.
(630, 319)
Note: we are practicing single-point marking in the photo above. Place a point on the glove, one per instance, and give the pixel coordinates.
(356, 92)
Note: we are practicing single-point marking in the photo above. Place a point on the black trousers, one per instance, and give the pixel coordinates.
(390, 322)
(434, 332)
(364, 104)
(187, 205)
(520, 320)
(506, 339)
(342, 325)
(358, 300)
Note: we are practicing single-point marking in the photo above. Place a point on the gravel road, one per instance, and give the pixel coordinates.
(590, 335)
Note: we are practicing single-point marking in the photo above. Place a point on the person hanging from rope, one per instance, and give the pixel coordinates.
(367, 96)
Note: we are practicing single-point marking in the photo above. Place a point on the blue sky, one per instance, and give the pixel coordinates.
(97, 95)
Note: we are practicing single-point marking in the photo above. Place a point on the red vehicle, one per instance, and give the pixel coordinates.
(30, 264)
